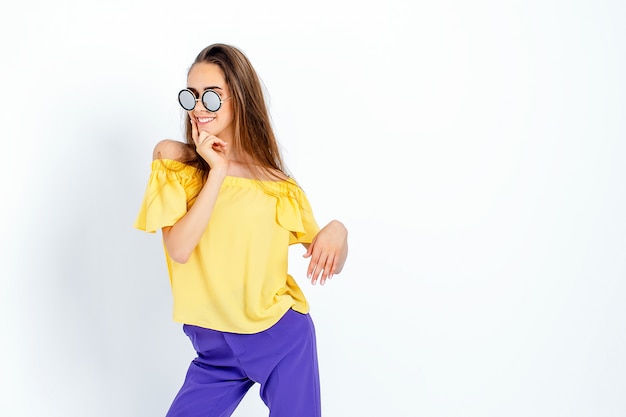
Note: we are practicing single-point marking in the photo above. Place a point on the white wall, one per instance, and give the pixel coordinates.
(475, 150)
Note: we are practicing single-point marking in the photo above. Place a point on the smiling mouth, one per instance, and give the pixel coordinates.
(205, 119)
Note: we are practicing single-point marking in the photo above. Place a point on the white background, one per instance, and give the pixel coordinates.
(475, 150)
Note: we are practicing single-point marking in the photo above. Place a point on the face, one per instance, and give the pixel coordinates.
(202, 77)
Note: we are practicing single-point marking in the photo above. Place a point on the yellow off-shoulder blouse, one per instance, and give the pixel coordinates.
(236, 279)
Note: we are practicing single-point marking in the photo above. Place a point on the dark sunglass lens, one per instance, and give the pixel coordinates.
(187, 100)
(211, 101)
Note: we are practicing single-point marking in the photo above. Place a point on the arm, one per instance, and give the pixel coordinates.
(328, 252)
(181, 239)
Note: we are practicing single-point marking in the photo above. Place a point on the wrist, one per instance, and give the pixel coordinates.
(337, 223)
(218, 172)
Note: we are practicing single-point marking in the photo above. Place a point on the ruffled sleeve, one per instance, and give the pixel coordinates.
(294, 213)
(170, 188)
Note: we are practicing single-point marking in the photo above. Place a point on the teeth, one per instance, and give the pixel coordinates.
(205, 119)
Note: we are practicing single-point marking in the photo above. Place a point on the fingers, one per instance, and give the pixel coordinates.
(217, 144)
(328, 269)
(201, 136)
(309, 250)
(322, 265)
(211, 148)
(194, 130)
(327, 252)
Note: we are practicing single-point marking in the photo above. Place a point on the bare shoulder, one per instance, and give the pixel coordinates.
(171, 149)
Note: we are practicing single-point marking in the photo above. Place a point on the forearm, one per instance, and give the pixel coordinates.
(181, 239)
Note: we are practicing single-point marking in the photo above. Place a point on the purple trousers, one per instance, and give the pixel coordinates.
(282, 359)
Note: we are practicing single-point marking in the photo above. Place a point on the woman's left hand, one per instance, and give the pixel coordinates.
(328, 252)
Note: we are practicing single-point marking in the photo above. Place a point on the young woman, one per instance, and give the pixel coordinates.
(228, 212)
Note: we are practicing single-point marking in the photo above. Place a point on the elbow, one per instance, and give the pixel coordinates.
(180, 257)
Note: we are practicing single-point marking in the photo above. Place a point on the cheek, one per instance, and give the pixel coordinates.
(229, 114)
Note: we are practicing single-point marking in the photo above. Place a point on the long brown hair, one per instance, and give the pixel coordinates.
(254, 139)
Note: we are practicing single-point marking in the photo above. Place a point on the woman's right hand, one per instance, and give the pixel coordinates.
(211, 148)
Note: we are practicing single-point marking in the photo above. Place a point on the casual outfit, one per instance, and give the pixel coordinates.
(246, 316)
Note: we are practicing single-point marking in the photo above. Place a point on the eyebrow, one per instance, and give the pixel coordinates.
(212, 87)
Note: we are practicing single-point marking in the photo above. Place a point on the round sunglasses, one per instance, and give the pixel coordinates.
(210, 100)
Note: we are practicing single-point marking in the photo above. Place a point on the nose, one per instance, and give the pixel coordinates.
(199, 100)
